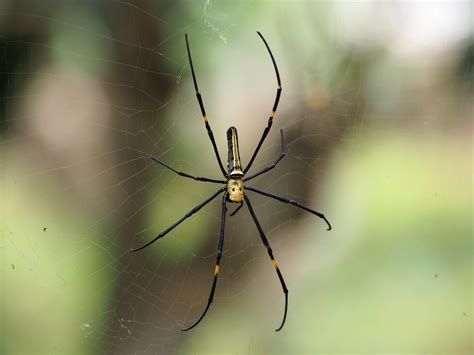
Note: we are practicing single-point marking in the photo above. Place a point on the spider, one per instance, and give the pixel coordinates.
(234, 188)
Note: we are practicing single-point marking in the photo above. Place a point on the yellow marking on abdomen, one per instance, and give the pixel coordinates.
(235, 153)
(216, 270)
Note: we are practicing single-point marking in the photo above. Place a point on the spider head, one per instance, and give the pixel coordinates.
(235, 190)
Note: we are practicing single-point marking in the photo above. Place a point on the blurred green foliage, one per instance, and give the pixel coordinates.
(52, 268)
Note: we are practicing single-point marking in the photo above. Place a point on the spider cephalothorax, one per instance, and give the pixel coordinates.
(233, 189)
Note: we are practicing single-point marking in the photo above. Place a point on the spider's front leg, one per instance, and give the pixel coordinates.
(270, 254)
(187, 215)
(220, 246)
(291, 202)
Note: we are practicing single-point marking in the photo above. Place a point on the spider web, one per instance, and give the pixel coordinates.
(90, 91)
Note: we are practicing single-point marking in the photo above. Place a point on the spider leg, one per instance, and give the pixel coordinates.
(217, 267)
(198, 178)
(291, 202)
(203, 111)
(270, 167)
(275, 106)
(237, 209)
(187, 215)
(270, 253)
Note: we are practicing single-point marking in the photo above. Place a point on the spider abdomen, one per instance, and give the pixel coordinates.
(233, 157)
(235, 190)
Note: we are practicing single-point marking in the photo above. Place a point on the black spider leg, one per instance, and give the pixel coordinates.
(203, 111)
(271, 166)
(275, 106)
(187, 215)
(220, 246)
(198, 178)
(291, 202)
(237, 209)
(270, 253)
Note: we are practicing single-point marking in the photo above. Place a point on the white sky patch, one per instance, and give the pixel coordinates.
(412, 27)
(432, 25)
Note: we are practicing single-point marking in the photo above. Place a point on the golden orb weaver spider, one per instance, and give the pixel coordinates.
(234, 186)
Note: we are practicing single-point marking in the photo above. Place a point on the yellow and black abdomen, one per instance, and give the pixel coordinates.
(234, 165)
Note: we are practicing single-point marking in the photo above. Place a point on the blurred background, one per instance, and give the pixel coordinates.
(376, 109)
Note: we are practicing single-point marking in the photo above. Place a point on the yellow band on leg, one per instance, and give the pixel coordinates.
(274, 263)
(216, 270)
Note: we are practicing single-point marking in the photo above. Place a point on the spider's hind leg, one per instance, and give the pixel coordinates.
(275, 106)
(203, 110)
